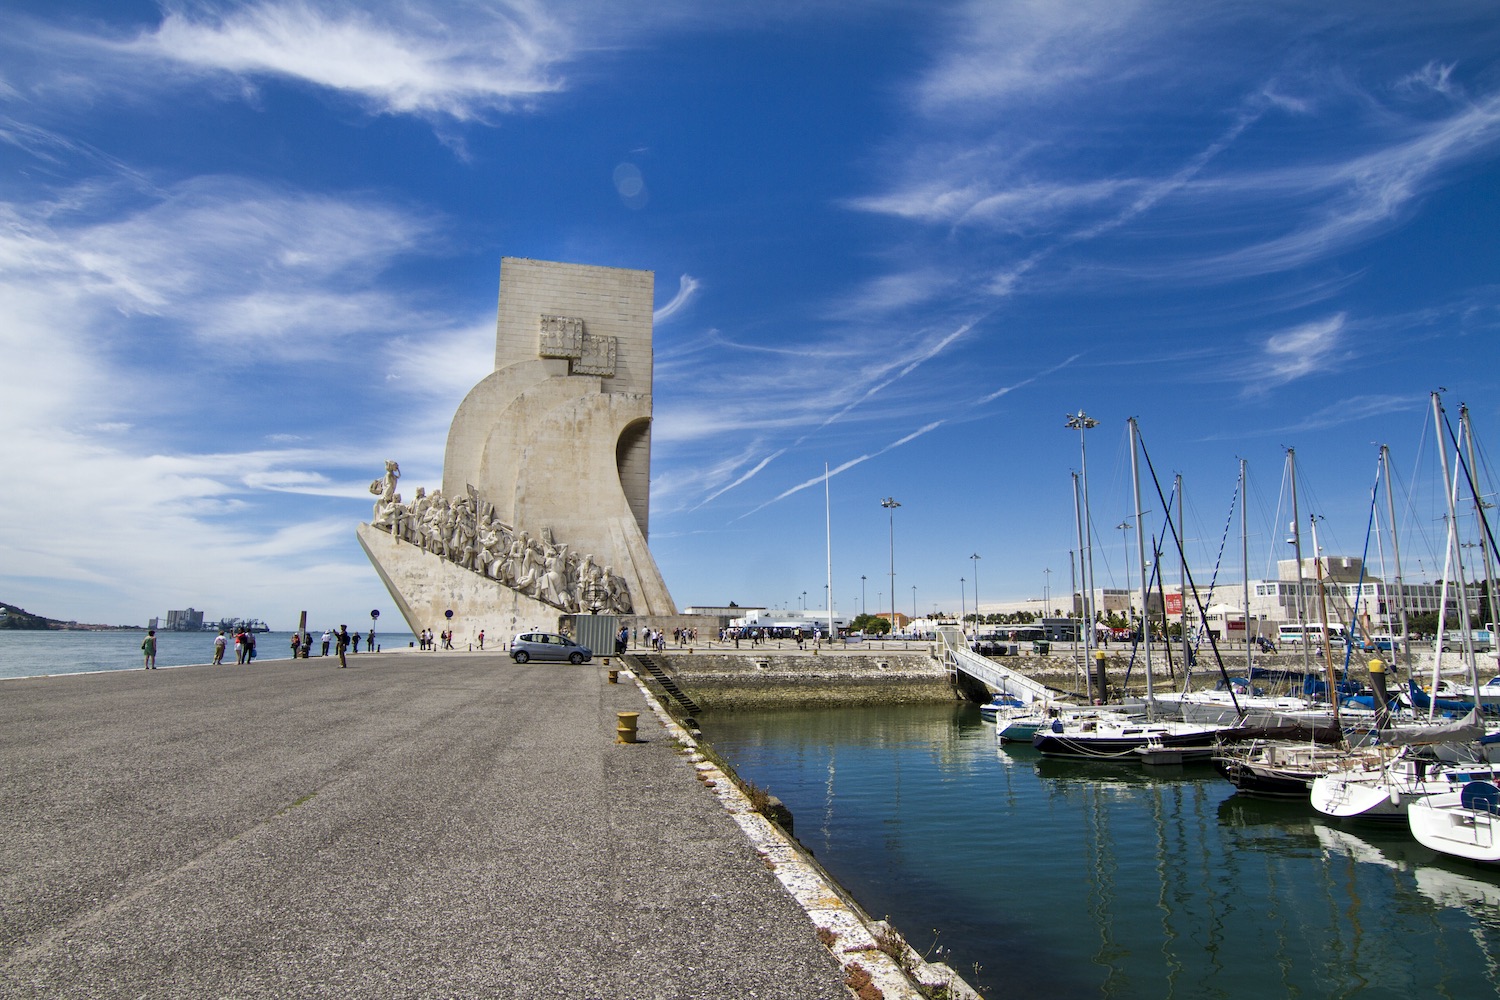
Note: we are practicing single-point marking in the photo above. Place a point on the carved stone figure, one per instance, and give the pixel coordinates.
(385, 489)
(466, 532)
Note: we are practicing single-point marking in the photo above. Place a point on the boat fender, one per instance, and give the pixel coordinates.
(1057, 725)
(1395, 796)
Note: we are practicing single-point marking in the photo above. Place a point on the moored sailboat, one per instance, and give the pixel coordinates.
(1115, 738)
(1464, 823)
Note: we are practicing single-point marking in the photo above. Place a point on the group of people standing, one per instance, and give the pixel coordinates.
(430, 641)
(244, 646)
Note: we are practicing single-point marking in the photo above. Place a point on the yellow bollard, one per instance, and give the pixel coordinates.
(614, 677)
(625, 727)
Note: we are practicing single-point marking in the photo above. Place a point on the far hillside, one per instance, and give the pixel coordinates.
(19, 618)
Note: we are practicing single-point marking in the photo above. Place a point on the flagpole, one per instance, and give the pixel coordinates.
(828, 535)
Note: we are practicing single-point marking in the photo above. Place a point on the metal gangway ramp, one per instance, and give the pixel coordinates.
(958, 656)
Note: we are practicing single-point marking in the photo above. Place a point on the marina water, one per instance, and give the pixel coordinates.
(1066, 879)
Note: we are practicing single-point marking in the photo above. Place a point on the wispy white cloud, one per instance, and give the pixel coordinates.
(744, 477)
(846, 466)
(118, 303)
(1029, 380)
(395, 58)
(1024, 103)
(234, 263)
(1350, 410)
(1435, 76)
(1017, 51)
(687, 288)
(1334, 206)
(892, 293)
(884, 374)
(1302, 350)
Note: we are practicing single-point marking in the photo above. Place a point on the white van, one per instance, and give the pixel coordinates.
(1484, 641)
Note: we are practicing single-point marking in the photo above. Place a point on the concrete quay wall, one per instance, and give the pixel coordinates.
(720, 678)
(750, 678)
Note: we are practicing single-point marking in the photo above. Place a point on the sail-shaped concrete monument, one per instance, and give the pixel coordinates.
(545, 500)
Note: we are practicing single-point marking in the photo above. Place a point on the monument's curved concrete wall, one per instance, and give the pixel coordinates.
(556, 441)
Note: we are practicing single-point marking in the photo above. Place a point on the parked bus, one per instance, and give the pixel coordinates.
(1294, 634)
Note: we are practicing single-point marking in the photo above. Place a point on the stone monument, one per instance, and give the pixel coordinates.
(543, 508)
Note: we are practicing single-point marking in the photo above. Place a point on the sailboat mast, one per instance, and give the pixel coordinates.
(1291, 465)
(1182, 588)
(1390, 506)
(1484, 534)
(1140, 546)
(1245, 562)
(1328, 667)
(1458, 563)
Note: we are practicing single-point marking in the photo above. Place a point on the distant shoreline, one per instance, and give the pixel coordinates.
(59, 627)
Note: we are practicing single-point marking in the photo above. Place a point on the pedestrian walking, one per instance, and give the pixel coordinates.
(219, 643)
(356, 641)
(148, 649)
(296, 644)
(481, 640)
(342, 641)
(327, 639)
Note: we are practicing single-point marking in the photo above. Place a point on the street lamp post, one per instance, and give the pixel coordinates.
(861, 593)
(890, 504)
(962, 606)
(1046, 591)
(975, 560)
(914, 602)
(1082, 422)
(804, 602)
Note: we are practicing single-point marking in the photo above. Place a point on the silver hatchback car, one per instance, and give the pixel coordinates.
(547, 646)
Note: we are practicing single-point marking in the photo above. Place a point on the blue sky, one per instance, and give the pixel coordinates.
(252, 250)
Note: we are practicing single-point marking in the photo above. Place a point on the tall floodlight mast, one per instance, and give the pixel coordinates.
(1082, 422)
(890, 504)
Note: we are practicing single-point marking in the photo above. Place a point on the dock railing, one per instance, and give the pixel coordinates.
(958, 656)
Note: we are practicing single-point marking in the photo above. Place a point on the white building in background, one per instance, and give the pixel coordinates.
(1376, 602)
(808, 620)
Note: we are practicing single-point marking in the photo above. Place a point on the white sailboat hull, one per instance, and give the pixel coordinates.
(1343, 796)
(1384, 789)
(1444, 824)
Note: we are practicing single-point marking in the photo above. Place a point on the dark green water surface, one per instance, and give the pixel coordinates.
(1066, 880)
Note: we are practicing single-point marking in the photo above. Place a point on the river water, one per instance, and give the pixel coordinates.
(28, 653)
(1062, 879)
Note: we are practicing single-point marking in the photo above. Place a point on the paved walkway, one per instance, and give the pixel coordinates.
(446, 825)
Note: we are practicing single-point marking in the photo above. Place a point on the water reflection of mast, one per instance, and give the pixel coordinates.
(1166, 869)
(828, 787)
(1099, 851)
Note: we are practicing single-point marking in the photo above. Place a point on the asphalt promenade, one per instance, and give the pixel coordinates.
(418, 825)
